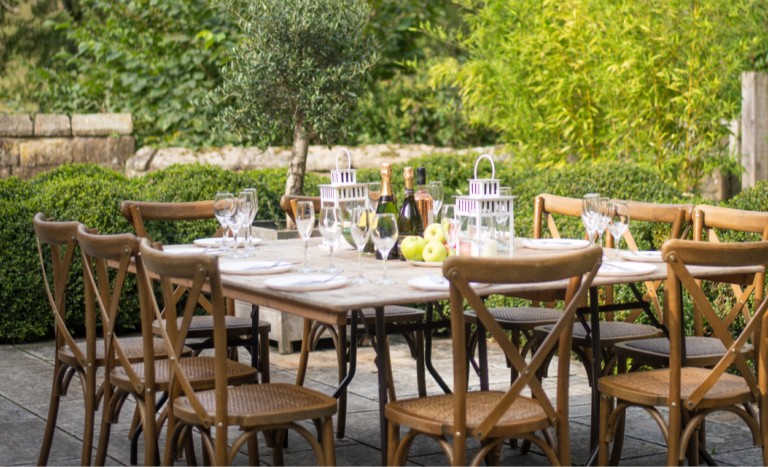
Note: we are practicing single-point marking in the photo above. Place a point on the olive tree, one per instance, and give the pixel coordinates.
(295, 75)
(650, 81)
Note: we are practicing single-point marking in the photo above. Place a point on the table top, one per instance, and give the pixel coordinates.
(331, 306)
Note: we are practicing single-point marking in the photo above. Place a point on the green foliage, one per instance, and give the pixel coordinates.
(609, 80)
(298, 64)
(147, 57)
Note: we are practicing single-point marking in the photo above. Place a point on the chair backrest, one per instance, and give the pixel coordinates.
(137, 212)
(288, 204)
(707, 221)
(56, 247)
(108, 261)
(198, 272)
(682, 254)
(575, 270)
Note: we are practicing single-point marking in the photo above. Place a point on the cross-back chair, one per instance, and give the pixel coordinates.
(493, 416)
(252, 408)
(394, 315)
(249, 332)
(690, 393)
(612, 332)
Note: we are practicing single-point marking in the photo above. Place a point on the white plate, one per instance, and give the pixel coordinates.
(641, 256)
(425, 264)
(254, 267)
(614, 268)
(186, 250)
(436, 283)
(306, 282)
(215, 242)
(554, 243)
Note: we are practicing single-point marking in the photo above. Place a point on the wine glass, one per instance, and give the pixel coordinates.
(384, 233)
(223, 204)
(251, 201)
(589, 215)
(504, 235)
(603, 217)
(360, 230)
(305, 224)
(330, 229)
(451, 225)
(435, 190)
(619, 222)
(481, 231)
(235, 221)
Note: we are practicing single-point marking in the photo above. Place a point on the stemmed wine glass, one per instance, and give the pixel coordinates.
(235, 221)
(360, 230)
(435, 190)
(589, 215)
(305, 224)
(223, 204)
(619, 221)
(503, 228)
(251, 202)
(451, 225)
(384, 233)
(330, 229)
(604, 215)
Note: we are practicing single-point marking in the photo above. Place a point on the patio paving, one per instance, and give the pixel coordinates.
(26, 381)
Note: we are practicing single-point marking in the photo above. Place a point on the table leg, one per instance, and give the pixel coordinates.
(381, 366)
(428, 328)
(597, 370)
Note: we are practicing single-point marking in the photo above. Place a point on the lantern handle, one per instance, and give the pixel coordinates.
(493, 166)
(349, 158)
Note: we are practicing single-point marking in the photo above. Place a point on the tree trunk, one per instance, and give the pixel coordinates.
(294, 183)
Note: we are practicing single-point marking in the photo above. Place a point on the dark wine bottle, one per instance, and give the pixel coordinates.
(409, 220)
(387, 204)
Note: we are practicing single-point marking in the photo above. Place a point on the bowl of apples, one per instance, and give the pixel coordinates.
(429, 250)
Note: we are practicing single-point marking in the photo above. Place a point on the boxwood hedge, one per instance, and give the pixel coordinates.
(92, 195)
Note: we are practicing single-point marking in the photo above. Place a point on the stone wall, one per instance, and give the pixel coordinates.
(31, 144)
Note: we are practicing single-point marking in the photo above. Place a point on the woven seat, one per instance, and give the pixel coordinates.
(494, 416)
(690, 393)
(253, 408)
(241, 331)
(522, 316)
(133, 346)
(699, 350)
(199, 370)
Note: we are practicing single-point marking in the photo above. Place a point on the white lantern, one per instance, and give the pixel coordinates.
(484, 201)
(344, 191)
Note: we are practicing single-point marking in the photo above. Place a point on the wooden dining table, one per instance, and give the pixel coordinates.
(332, 306)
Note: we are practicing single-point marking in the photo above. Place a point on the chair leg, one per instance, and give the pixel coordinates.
(53, 412)
(602, 439)
(328, 443)
(393, 441)
(301, 371)
(90, 415)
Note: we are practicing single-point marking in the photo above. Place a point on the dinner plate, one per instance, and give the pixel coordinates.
(254, 267)
(215, 242)
(425, 264)
(186, 249)
(554, 243)
(617, 268)
(641, 256)
(437, 283)
(306, 282)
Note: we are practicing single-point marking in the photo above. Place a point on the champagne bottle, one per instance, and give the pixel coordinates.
(387, 204)
(423, 199)
(409, 219)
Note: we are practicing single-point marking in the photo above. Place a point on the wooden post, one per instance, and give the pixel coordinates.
(754, 127)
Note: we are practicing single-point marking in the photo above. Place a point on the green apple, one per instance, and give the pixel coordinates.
(435, 232)
(412, 246)
(434, 251)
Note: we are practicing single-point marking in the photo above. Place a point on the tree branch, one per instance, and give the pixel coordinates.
(8, 7)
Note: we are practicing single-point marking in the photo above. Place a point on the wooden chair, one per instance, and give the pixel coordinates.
(612, 332)
(493, 416)
(253, 408)
(701, 350)
(407, 321)
(690, 393)
(241, 331)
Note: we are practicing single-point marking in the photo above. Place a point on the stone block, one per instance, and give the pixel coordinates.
(29, 172)
(95, 150)
(53, 151)
(121, 149)
(102, 124)
(52, 125)
(6, 171)
(9, 151)
(16, 125)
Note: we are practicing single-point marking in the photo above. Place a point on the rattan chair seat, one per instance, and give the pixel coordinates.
(434, 414)
(652, 387)
(611, 332)
(523, 316)
(255, 405)
(699, 350)
(395, 313)
(202, 325)
(132, 346)
(199, 371)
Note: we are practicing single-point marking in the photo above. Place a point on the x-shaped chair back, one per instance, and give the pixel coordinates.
(574, 271)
